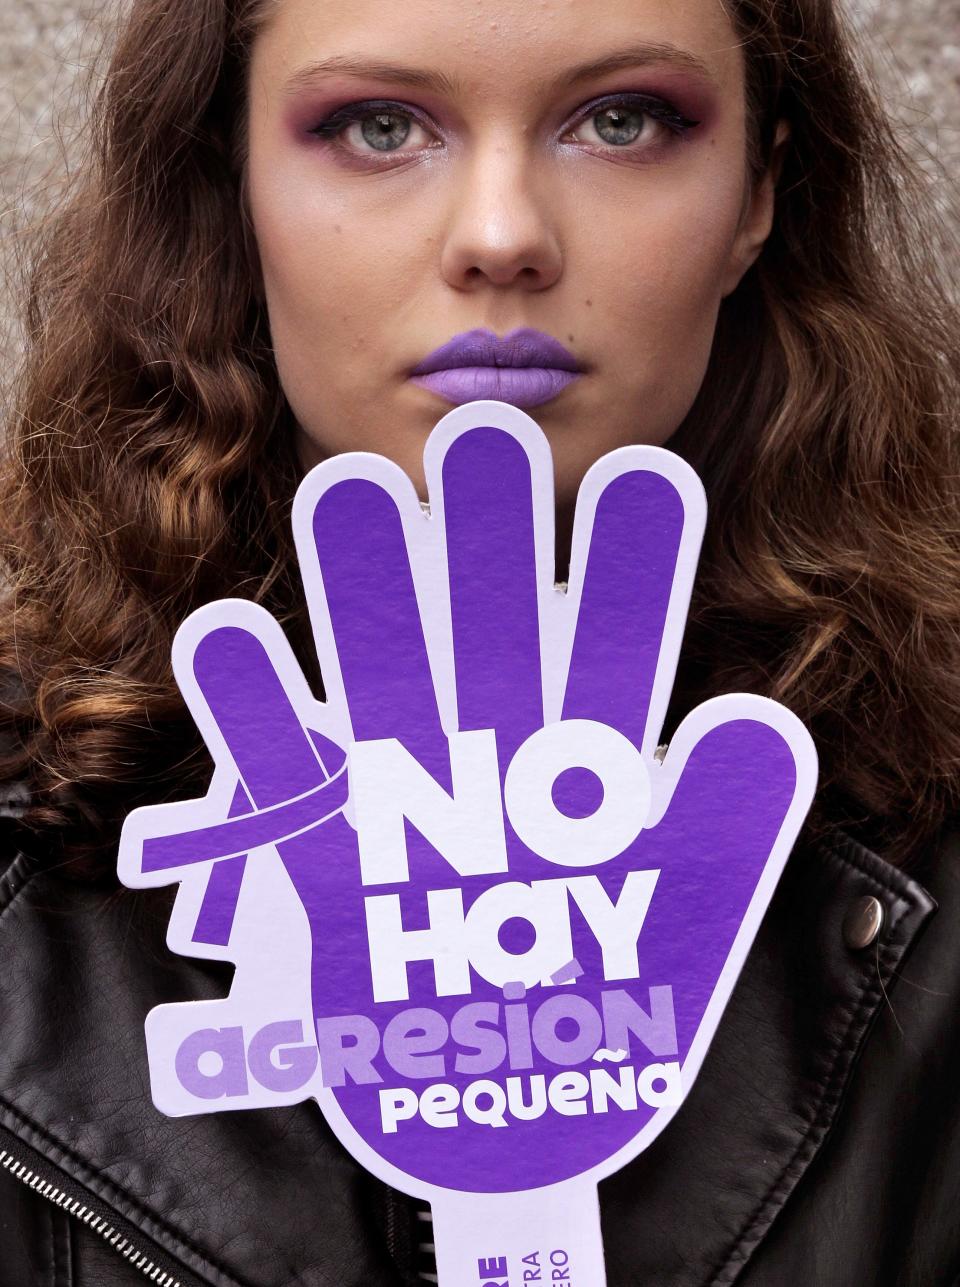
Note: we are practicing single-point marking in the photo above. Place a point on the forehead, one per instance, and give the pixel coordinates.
(507, 48)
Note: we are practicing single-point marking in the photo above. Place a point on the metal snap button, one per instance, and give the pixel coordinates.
(863, 922)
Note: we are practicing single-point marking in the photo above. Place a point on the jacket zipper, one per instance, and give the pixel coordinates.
(138, 1259)
(101, 1222)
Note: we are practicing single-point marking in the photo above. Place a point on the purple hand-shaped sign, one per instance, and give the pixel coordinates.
(473, 913)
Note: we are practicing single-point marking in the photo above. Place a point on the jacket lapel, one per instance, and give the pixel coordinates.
(695, 1206)
(266, 1197)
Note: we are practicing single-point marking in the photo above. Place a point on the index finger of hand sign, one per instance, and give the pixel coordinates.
(370, 605)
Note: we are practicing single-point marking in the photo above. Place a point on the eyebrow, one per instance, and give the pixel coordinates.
(638, 55)
(351, 65)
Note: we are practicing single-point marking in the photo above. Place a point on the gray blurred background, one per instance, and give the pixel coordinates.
(50, 47)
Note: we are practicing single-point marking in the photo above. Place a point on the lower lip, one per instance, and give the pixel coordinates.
(522, 386)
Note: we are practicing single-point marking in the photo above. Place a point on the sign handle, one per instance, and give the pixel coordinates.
(549, 1236)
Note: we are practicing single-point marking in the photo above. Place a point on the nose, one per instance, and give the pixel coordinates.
(501, 232)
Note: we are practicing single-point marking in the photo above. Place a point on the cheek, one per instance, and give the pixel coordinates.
(343, 280)
(674, 264)
(306, 274)
(333, 274)
(664, 288)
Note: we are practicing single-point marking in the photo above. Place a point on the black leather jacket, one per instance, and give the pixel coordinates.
(820, 1146)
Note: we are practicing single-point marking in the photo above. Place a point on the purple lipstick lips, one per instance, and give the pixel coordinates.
(524, 368)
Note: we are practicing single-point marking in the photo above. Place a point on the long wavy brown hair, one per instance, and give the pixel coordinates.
(150, 463)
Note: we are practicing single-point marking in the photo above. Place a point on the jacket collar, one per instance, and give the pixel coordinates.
(270, 1196)
(781, 1063)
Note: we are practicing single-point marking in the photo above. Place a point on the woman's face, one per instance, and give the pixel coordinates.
(555, 168)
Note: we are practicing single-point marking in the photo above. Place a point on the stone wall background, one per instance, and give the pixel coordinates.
(49, 48)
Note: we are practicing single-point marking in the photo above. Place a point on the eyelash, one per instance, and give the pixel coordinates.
(658, 109)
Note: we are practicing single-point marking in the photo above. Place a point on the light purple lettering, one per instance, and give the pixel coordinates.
(226, 1044)
(295, 1063)
(410, 1040)
(355, 1057)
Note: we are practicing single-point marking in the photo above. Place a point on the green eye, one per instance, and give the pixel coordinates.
(385, 131)
(640, 122)
(619, 125)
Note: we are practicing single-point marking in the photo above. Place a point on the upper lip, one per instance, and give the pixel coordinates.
(521, 347)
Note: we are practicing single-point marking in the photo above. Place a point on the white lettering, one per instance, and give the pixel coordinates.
(571, 744)
(616, 926)
(388, 785)
(392, 947)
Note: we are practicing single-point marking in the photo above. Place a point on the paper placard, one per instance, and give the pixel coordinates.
(472, 913)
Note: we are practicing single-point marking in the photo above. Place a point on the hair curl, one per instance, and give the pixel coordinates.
(150, 463)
